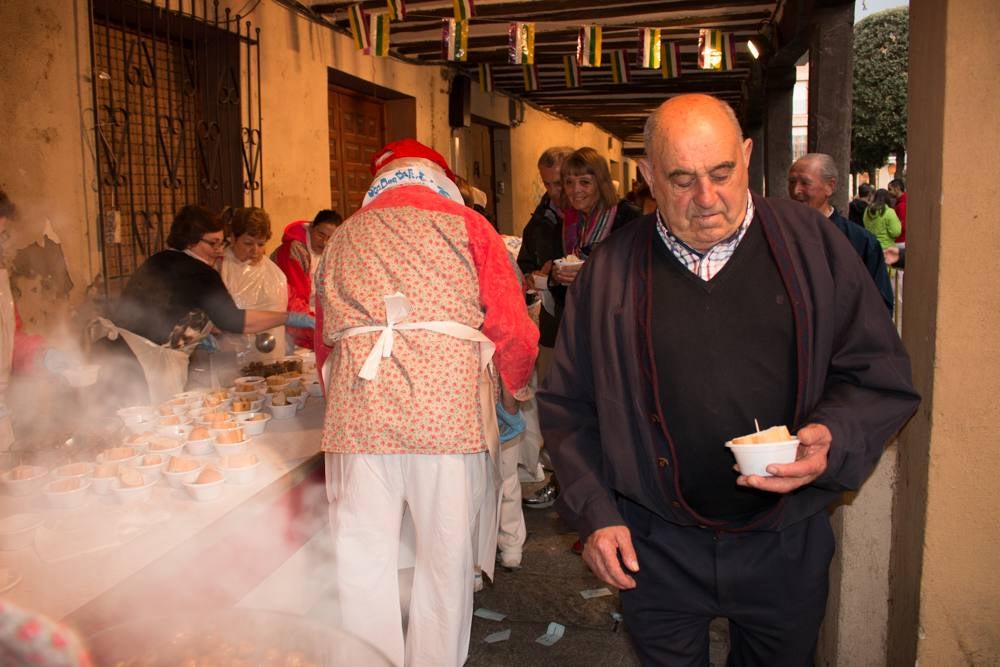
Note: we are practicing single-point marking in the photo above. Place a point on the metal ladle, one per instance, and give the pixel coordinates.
(265, 342)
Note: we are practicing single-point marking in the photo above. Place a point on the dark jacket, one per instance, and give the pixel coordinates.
(605, 430)
(168, 286)
(870, 252)
(542, 241)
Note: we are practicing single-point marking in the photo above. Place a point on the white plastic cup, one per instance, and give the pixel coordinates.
(754, 459)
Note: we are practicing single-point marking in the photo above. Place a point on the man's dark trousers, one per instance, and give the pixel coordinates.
(772, 586)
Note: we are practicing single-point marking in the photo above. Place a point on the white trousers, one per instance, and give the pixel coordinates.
(512, 533)
(368, 495)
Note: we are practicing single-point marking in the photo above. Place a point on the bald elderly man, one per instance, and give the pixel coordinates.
(812, 180)
(681, 330)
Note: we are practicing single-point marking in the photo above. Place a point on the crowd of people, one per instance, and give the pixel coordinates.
(614, 347)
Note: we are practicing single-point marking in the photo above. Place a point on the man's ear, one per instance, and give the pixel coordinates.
(646, 169)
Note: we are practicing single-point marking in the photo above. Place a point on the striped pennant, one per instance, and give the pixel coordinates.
(716, 49)
(649, 48)
(670, 60)
(619, 66)
(464, 10)
(572, 69)
(530, 77)
(486, 78)
(454, 39)
(397, 9)
(356, 17)
(380, 34)
(588, 46)
(521, 43)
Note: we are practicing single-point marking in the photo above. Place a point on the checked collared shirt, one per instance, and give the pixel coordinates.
(706, 264)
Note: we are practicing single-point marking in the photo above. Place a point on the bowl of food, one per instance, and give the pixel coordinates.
(207, 485)
(241, 406)
(248, 383)
(314, 388)
(104, 475)
(67, 493)
(231, 442)
(131, 486)
(174, 425)
(281, 407)
(755, 451)
(182, 469)
(139, 441)
(239, 468)
(119, 455)
(200, 441)
(17, 531)
(77, 470)
(165, 445)
(150, 466)
(253, 423)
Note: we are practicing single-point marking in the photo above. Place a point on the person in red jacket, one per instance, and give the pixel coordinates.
(301, 247)
(897, 188)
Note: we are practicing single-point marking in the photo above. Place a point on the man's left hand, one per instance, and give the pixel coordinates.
(810, 463)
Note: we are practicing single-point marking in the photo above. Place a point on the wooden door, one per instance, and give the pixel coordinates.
(357, 130)
(480, 165)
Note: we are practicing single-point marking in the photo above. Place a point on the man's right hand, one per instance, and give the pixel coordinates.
(600, 553)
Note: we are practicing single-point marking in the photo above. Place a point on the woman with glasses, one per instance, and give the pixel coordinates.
(179, 284)
(252, 279)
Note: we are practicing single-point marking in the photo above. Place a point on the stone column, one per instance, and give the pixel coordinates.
(944, 586)
(778, 130)
(831, 68)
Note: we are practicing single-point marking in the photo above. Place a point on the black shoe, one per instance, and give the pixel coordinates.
(543, 498)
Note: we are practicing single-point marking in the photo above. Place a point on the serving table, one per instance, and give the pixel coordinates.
(105, 562)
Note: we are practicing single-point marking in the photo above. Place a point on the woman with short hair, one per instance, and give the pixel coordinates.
(595, 210)
(253, 280)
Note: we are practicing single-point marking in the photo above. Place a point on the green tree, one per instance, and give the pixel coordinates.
(881, 55)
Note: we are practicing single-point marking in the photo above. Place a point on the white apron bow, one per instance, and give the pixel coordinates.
(397, 307)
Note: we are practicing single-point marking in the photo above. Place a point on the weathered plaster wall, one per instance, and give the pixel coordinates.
(946, 592)
(46, 134)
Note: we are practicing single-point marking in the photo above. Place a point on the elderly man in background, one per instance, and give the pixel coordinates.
(298, 256)
(682, 330)
(541, 245)
(812, 180)
(418, 296)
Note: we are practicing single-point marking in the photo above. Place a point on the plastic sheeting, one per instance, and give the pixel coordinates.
(260, 286)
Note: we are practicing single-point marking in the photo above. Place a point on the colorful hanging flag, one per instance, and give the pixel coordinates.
(463, 10)
(572, 70)
(455, 40)
(588, 46)
(397, 9)
(530, 77)
(380, 34)
(716, 49)
(356, 17)
(670, 60)
(521, 43)
(486, 78)
(649, 48)
(619, 66)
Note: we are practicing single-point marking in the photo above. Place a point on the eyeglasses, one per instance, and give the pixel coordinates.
(215, 243)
